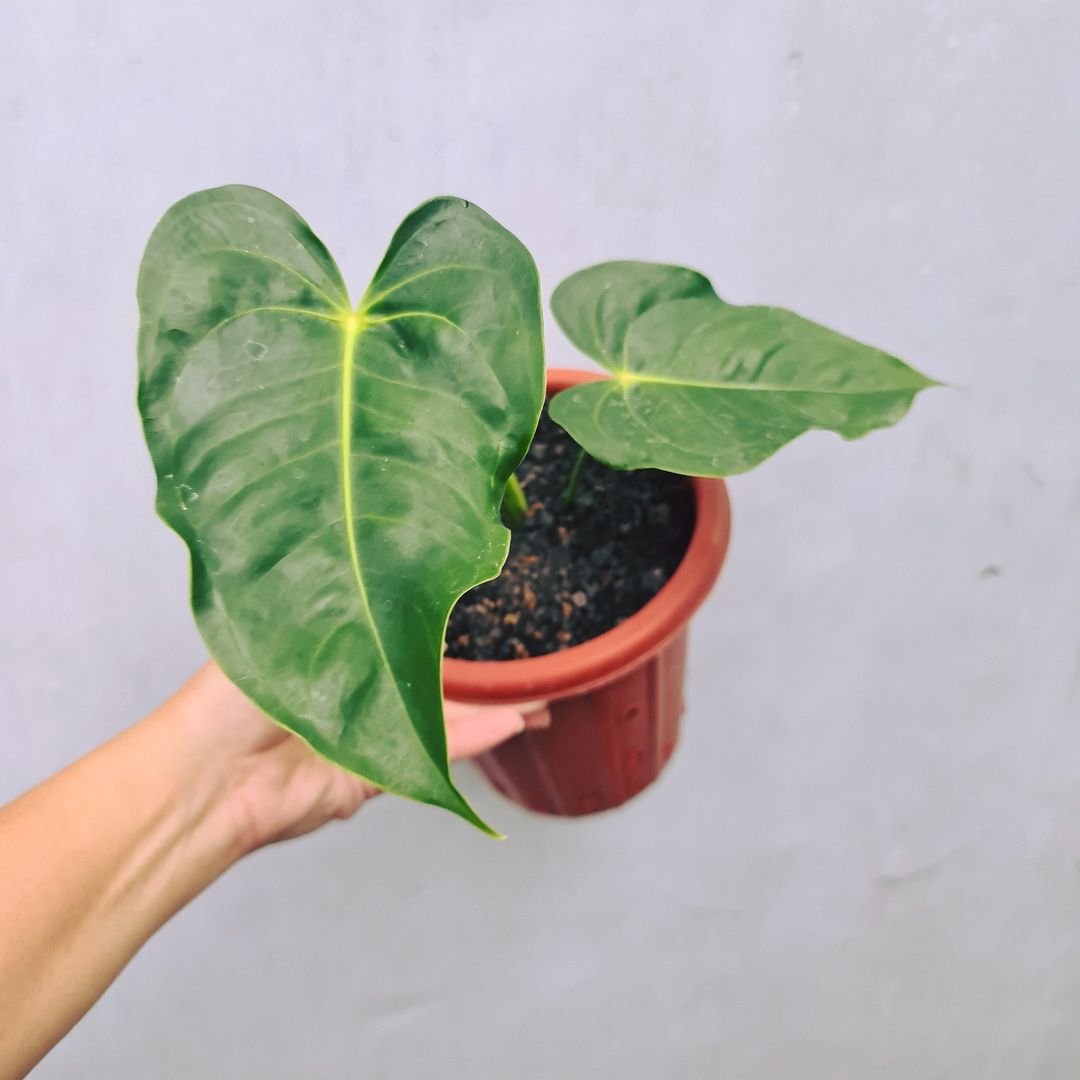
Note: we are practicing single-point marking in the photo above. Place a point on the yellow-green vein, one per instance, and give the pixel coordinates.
(368, 302)
(353, 325)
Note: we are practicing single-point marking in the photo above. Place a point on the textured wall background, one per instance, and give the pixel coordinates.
(865, 859)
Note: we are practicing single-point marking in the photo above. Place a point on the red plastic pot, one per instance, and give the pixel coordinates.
(615, 701)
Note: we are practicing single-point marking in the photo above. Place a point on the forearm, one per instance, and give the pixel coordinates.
(95, 860)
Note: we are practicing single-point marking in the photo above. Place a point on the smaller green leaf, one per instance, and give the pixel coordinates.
(706, 388)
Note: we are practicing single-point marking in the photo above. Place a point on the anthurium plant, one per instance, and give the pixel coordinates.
(340, 470)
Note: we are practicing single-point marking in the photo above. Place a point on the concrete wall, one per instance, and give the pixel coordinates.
(864, 860)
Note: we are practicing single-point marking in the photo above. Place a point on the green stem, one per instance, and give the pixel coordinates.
(514, 506)
(571, 485)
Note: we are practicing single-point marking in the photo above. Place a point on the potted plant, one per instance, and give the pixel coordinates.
(341, 472)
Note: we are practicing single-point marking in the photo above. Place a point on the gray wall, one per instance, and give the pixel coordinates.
(865, 859)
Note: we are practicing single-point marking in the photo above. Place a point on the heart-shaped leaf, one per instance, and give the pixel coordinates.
(335, 471)
(596, 306)
(710, 389)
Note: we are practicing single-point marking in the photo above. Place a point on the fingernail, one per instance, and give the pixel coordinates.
(538, 720)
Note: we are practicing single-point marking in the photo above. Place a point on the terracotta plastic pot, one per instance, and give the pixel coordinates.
(615, 701)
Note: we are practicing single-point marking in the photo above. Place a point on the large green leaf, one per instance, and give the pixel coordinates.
(335, 471)
(710, 389)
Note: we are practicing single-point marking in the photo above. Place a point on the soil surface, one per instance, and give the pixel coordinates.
(574, 574)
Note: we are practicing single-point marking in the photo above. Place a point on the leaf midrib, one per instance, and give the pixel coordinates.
(352, 324)
(626, 379)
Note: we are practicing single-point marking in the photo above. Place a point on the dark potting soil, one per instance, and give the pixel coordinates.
(574, 574)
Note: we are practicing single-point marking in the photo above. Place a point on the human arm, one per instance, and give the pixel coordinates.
(96, 858)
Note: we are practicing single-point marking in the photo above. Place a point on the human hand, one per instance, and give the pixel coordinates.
(277, 787)
(110, 848)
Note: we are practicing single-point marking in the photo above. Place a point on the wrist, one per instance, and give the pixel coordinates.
(208, 761)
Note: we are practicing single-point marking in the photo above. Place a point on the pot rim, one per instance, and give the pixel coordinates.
(605, 658)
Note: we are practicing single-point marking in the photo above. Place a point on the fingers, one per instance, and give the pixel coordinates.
(471, 730)
(536, 713)
(356, 793)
